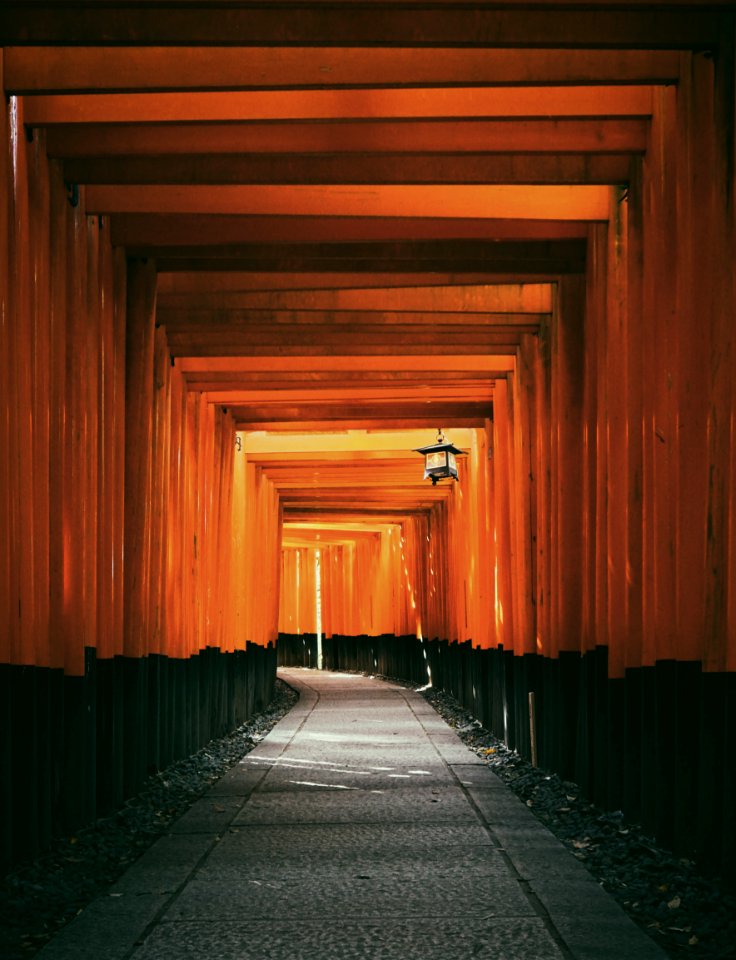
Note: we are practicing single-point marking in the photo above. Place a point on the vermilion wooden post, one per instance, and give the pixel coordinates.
(594, 450)
(501, 478)
(141, 305)
(58, 550)
(529, 381)
(140, 311)
(524, 619)
(160, 473)
(6, 576)
(239, 542)
(567, 405)
(226, 443)
(539, 361)
(660, 383)
(106, 476)
(39, 212)
(20, 456)
(90, 238)
(7, 589)
(186, 515)
(202, 507)
(615, 627)
(117, 440)
(75, 495)
(21, 692)
(636, 372)
(174, 563)
(706, 360)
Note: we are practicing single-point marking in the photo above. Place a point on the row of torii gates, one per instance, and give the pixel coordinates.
(252, 257)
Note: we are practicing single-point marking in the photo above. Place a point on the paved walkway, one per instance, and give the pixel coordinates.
(361, 827)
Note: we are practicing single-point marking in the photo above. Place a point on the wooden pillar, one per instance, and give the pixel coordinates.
(39, 218)
(567, 381)
(502, 510)
(141, 306)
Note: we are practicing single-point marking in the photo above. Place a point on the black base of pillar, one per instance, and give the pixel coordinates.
(659, 743)
(73, 748)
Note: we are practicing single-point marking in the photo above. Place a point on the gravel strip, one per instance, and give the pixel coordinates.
(687, 913)
(38, 898)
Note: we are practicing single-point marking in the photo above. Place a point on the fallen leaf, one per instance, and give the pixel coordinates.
(674, 903)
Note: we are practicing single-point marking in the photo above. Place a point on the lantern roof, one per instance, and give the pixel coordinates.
(441, 443)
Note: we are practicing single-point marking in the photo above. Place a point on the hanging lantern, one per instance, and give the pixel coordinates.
(439, 459)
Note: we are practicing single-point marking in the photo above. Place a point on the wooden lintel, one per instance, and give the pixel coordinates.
(54, 69)
(485, 298)
(548, 267)
(409, 347)
(368, 410)
(183, 239)
(396, 250)
(383, 423)
(492, 363)
(349, 138)
(182, 318)
(387, 168)
(383, 103)
(203, 284)
(436, 201)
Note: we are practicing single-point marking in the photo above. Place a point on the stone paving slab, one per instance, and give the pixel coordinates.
(165, 866)
(328, 939)
(211, 814)
(606, 939)
(109, 928)
(234, 863)
(351, 895)
(360, 827)
(314, 804)
(240, 780)
(360, 777)
(330, 841)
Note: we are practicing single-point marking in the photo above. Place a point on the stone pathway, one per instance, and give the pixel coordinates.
(361, 827)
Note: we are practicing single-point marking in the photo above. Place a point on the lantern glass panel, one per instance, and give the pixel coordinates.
(435, 461)
(451, 462)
